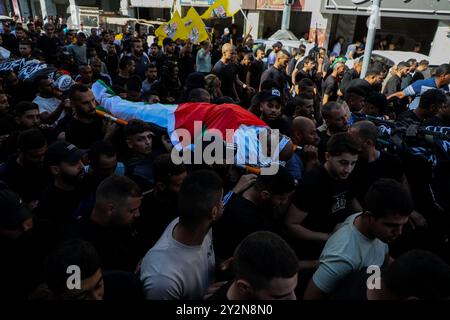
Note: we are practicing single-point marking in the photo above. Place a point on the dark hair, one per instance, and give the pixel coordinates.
(136, 126)
(343, 142)
(374, 70)
(164, 168)
(25, 43)
(309, 59)
(72, 252)
(150, 66)
(424, 62)
(39, 78)
(136, 40)
(263, 256)
(154, 44)
(196, 94)
(125, 61)
(411, 61)
(387, 197)
(117, 189)
(280, 183)
(354, 90)
(367, 130)
(420, 274)
(442, 70)
(99, 148)
(293, 103)
(25, 106)
(268, 84)
(431, 97)
(75, 89)
(31, 139)
(199, 193)
(330, 107)
(379, 100)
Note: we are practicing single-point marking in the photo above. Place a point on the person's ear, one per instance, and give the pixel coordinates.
(160, 186)
(265, 195)
(129, 142)
(327, 156)
(215, 213)
(244, 287)
(55, 170)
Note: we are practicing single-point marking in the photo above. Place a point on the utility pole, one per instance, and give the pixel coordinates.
(285, 20)
(373, 21)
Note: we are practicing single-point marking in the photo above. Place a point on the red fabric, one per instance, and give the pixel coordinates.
(221, 117)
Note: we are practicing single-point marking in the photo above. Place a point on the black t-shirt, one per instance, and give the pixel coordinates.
(157, 212)
(437, 122)
(83, 135)
(408, 117)
(362, 84)
(140, 171)
(276, 75)
(330, 87)
(227, 75)
(50, 47)
(322, 147)
(326, 200)
(348, 76)
(393, 85)
(302, 75)
(418, 75)
(7, 124)
(27, 182)
(240, 218)
(114, 245)
(283, 124)
(221, 294)
(256, 70)
(365, 173)
(120, 81)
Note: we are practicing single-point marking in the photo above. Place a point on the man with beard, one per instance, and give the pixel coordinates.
(159, 207)
(140, 58)
(277, 72)
(270, 102)
(182, 264)
(303, 134)
(442, 118)
(108, 228)
(49, 44)
(85, 127)
(127, 67)
(78, 49)
(336, 120)
(168, 55)
(330, 86)
(62, 197)
(51, 108)
(363, 238)
(257, 209)
(24, 171)
(323, 197)
(85, 75)
(97, 74)
(226, 71)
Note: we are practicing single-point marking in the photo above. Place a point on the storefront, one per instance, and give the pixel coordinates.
(405, 23)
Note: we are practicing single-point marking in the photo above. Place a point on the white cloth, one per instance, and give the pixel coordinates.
(172, 270)
(48, 105)
(347, 251)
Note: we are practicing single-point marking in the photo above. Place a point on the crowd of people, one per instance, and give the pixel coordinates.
(80, 190)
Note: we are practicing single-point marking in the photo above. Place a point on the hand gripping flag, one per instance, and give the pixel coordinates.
(221, 9)
(174, 29)
(195, 27)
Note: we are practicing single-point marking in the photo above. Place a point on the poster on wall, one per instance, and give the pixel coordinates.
(279, 4)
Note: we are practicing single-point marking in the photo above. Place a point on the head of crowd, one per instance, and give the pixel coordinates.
(92, 208)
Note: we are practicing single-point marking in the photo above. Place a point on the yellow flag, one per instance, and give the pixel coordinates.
(221, 9)
(174, 29)
(195, 27)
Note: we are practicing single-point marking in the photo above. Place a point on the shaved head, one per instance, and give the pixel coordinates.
(302, 124)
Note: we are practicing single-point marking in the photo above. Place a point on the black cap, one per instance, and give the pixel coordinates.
(271, 94)
(167, 41)
(13, 212)
(62, 151)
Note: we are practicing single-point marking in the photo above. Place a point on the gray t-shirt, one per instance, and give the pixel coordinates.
(173, 271)
(347, 251)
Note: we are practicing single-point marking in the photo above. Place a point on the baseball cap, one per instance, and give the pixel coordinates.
(271, 94)
(168, 41)
(14, 212)
(62, 151)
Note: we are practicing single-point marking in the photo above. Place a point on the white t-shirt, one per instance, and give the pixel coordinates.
(347, 251)
(48, 105)
(174, 271)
